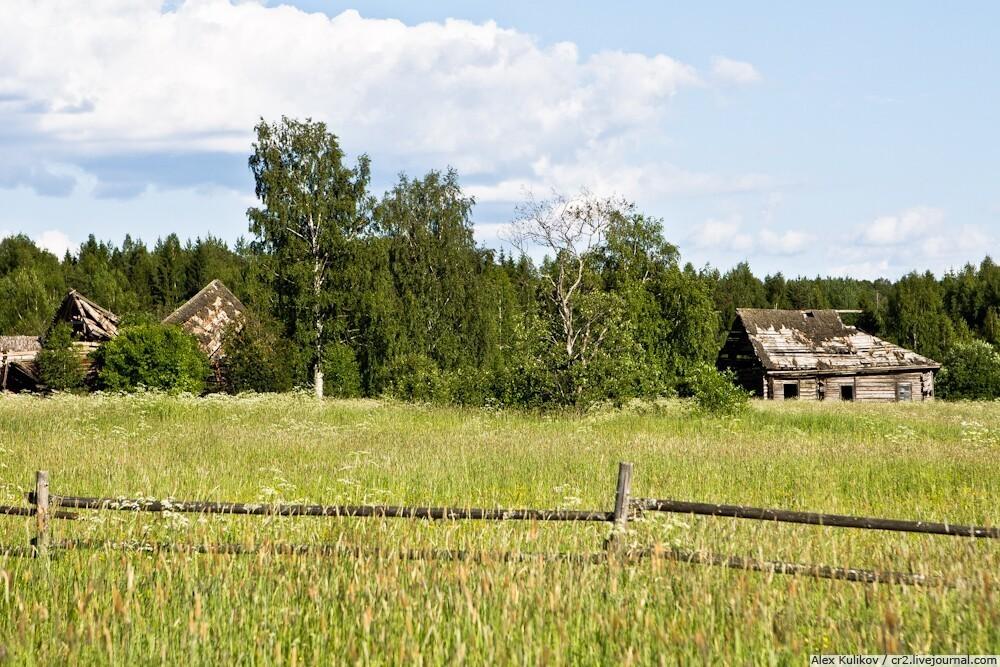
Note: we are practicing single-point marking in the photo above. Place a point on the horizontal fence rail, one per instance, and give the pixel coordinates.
(347, 511)
(818, 519)
(46, 506)
(486, 557)
(11, 510)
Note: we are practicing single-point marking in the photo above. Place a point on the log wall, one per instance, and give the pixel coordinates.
(883, 388)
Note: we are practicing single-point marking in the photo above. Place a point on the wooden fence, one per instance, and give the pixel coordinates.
(45, 506)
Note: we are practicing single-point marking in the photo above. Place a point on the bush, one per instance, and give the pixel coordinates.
(256, 358)
(415, 377)
(971, 371)
(153, 356)
(59, 365)
(341, 372)
(716, 392)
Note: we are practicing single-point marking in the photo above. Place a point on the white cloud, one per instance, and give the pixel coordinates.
(918, 237)
(120, 74)
(789, 242)
(869, 270)
(722, 234)
(116, 77)
(729, 234)
(734, 72)
(54, 241)
(903, 227)
(607, 169)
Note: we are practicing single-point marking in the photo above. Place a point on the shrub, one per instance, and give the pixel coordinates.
(341, 372)
(415, 377)
(256, 358)
(59, 366)
(716, 392)
(970, 370)
(153, 356)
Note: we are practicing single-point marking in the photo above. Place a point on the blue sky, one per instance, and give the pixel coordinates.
(843, 138)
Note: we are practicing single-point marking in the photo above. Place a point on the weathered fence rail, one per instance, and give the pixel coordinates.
(817, 519)
(45, 506)
(346, 511)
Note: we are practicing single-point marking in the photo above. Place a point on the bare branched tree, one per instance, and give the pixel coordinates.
(571, 231)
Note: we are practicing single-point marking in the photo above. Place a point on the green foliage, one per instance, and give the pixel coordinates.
(970, 370)
(342, 373)
(152, 356)
(59, 365)
(256, 358)
(716, 392)
(415, 377)
(315, 208)
(400, 286)
(916, 315)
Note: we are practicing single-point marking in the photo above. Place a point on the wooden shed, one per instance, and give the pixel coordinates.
(207, 315)
(813, 355)
(90, 323)
(17, 362)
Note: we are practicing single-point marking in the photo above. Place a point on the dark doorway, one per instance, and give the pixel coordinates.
(846, 392)
(791, 391)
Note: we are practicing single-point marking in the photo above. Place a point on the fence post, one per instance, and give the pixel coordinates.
(623, 500)
(42, 513)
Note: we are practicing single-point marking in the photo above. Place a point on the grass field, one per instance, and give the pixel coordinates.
(936, 462)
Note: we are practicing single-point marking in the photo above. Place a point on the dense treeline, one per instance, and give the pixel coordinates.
(364, 296)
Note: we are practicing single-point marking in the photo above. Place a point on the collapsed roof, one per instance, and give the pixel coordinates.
(794, 340)
(90, 322)
(207, 315)
(20, 344)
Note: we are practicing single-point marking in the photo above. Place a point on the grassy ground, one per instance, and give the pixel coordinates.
(936, 462)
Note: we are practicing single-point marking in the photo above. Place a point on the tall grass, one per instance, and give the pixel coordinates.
(936, 462)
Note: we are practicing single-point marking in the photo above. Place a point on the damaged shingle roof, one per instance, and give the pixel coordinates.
(207, 315)
(818, 339)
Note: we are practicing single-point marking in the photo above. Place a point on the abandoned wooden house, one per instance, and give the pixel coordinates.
(17, 362)
(207, 315)
(813, 355)
(91, 325)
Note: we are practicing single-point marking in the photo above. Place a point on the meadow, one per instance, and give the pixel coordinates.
(937, 461)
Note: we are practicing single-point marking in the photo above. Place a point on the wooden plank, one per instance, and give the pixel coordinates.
(817, 519)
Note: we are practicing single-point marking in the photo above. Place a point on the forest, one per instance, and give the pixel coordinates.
(367, 295)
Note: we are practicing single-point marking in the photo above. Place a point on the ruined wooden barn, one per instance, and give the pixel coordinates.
(17, 362)
(91, 325)
(208, 315)
(813, 355)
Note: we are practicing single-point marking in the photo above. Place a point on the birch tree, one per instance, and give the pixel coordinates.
(313, 207)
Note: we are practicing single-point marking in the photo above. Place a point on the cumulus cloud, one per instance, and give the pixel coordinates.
(200, 76)
(722, 234)
(916, 237)
(125, 77)
(55, 241)
(868, 270)
(789, 242)
(734, 72)
(729, 234)
(904, 227)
